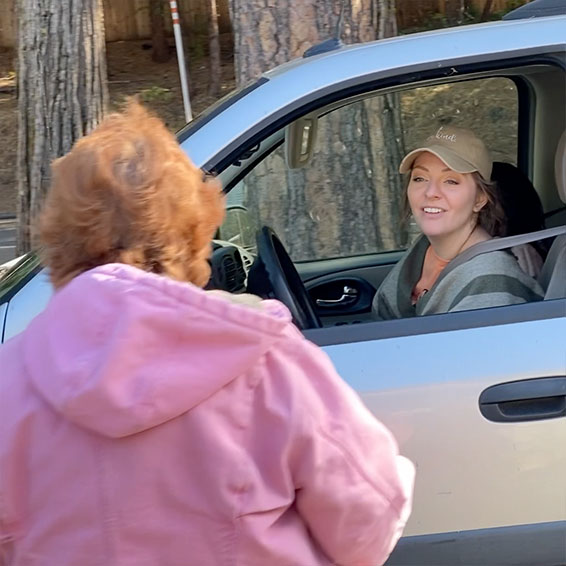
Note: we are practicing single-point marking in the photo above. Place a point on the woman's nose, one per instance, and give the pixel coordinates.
(432, 189)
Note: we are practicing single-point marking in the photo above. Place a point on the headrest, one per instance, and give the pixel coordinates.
(519, 199)
(560, 166)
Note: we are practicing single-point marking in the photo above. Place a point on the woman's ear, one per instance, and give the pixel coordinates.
(481, 200)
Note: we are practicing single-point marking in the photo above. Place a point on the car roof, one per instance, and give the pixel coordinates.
(309, 78)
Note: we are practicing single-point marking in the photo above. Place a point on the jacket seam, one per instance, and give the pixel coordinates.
(244, 495)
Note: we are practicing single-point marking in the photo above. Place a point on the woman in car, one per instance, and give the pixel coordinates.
(147, 421)
(455, 205)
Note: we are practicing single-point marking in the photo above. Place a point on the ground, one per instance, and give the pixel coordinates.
(130, 71)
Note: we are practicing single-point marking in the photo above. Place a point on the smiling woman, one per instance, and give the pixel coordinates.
(454, 203)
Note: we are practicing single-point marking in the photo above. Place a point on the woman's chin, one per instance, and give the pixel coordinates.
(430, 230)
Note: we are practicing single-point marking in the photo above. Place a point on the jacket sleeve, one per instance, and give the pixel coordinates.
(354, 490)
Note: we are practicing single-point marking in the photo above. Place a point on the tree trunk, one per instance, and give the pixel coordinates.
(214, 50)
(339, 204)
(62, 91)
(454, 12)
(160, 47)
(486, 10)
(461, 11)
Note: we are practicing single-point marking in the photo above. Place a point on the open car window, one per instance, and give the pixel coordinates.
(347, 198)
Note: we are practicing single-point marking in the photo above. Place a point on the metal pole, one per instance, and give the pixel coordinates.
(181, 60)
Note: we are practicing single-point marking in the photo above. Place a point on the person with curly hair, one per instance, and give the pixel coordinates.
(146, 421)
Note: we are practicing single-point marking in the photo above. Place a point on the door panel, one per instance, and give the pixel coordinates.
(327, 280)
(342, 296)
(471, 473)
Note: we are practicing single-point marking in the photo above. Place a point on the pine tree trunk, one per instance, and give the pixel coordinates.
(62, 91)
(486, 11)
(160, 48)
(349, 185)
(214, 49)
(454, 12)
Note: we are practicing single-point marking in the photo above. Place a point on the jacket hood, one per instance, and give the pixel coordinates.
(119, 350)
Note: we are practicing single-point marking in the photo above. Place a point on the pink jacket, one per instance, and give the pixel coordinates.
(145, 422)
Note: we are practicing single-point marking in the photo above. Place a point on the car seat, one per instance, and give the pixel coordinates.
(524, 213)
(520, 201)
(553, 275)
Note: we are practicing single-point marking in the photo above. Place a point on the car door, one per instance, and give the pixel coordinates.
(487, 491)
(476, 399)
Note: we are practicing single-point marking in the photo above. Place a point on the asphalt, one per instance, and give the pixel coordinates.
(7, 239)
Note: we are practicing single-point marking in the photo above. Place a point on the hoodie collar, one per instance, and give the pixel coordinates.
(119, 350)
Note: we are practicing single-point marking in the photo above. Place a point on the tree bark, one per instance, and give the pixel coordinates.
(62, 92)
(214, 50)
(160, 47)
(486, 10)
(339, 204)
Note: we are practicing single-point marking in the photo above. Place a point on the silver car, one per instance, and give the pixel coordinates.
(307, 155)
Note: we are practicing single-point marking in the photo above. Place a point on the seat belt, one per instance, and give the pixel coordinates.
(499, 244)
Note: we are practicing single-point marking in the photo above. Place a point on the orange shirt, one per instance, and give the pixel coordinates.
(432, 266)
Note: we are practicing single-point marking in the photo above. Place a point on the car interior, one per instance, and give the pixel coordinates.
(325, 285)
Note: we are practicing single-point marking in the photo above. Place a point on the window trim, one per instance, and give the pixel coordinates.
(523, 92)
(370, 83)
(435, 323)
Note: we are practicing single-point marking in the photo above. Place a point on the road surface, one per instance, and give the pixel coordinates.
(7, 241)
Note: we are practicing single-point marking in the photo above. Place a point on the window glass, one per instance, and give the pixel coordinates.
(349, 198)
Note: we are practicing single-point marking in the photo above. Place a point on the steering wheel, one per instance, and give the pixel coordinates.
(284, 280)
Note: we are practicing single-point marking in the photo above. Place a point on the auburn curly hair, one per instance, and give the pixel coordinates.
(127, 193)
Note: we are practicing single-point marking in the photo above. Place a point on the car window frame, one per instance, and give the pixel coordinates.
(417, 76)
(414, 75)
(522, 158)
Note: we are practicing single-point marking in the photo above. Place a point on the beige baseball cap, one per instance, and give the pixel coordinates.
(459, 148)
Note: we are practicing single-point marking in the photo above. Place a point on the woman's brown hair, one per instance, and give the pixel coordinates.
(127, 193)
(492, 216)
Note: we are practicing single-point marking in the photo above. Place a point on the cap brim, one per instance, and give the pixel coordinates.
(449, 158)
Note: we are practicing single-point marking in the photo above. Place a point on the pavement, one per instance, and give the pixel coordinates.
(7, 239)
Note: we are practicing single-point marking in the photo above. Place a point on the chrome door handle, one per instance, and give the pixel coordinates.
(349, 296)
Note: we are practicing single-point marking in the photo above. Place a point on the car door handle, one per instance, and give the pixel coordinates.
(525, 400)
(349, 296)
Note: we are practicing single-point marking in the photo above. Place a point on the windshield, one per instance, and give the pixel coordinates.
(15, 272)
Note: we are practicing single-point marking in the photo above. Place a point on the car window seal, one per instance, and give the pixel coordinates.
(436, 323)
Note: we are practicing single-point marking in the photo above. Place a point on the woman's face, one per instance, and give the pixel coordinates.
(444, 203)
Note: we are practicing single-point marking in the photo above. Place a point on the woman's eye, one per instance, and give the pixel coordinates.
(417, 179)
(452, 182)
